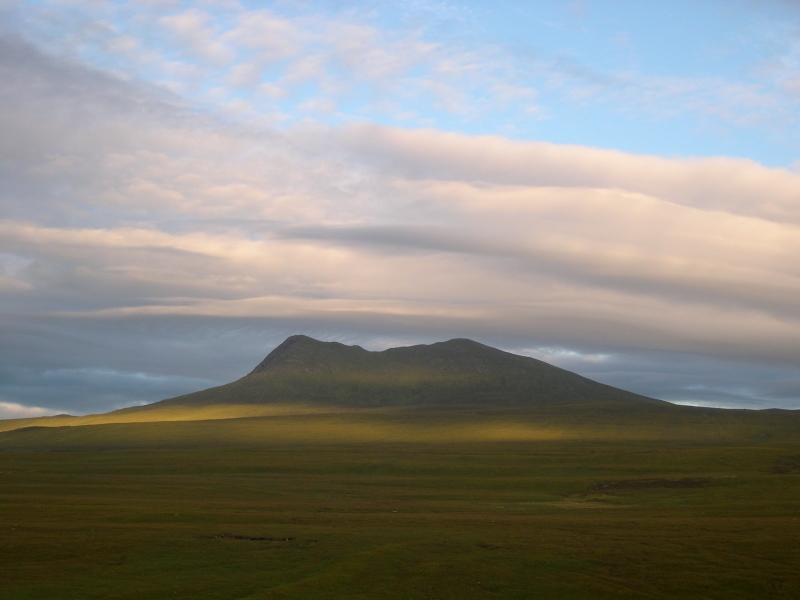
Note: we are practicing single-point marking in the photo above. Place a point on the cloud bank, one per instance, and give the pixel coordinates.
(152, 246)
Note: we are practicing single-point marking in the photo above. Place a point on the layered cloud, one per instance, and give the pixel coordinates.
(139, 227)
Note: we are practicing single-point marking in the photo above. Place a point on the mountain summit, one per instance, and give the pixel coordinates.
(456, 373)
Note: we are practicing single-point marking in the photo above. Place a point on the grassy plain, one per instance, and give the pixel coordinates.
(583, 501)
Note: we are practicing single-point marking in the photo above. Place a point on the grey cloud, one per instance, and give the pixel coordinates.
(522, 256)
(94, 366)
(693, 379)
(62, 93)
(60, 122)
(89, 390)
(411, 237)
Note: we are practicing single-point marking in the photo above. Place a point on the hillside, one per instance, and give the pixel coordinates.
(456, 373)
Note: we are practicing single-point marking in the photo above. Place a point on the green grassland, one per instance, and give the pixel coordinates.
(582, 500)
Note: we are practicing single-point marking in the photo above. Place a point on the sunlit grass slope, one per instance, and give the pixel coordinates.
(187, 427)
(168, 413)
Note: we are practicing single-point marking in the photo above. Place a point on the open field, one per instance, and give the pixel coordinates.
(544, 503)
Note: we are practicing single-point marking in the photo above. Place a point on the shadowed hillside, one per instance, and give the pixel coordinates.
(446, 374)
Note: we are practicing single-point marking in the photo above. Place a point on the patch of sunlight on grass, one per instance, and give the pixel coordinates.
(170, 413)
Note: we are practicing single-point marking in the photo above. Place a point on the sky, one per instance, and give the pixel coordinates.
(612, 187)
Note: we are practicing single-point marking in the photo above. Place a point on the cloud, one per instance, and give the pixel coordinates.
(12, 410)
(739, 186)
(703, 381)
(362, 59)
(323, 105)
(193, 31)
(86, 390)
(268, 37)
(182, 214)
(154, 245)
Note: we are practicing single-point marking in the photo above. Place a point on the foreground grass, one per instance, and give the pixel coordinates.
(400, 504)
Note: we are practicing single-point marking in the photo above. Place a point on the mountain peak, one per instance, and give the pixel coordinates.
(307, 354)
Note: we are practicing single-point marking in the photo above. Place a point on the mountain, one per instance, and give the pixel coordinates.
(456, 373)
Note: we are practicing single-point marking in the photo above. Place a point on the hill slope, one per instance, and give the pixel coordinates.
(456, 373)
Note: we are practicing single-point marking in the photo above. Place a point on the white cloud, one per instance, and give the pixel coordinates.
(12, 410)
(234, 48)
(271, 91)
(270, 38)
(244, 75)
(319, 105)
(739, 186)
(193, 30)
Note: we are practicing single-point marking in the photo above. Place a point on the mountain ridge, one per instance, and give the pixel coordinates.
(454, 373)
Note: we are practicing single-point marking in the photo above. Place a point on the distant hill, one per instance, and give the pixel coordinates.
(452, 374)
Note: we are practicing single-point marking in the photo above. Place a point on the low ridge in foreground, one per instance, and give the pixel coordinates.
(451, 374)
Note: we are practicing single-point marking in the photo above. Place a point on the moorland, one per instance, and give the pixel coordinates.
(445, 471)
